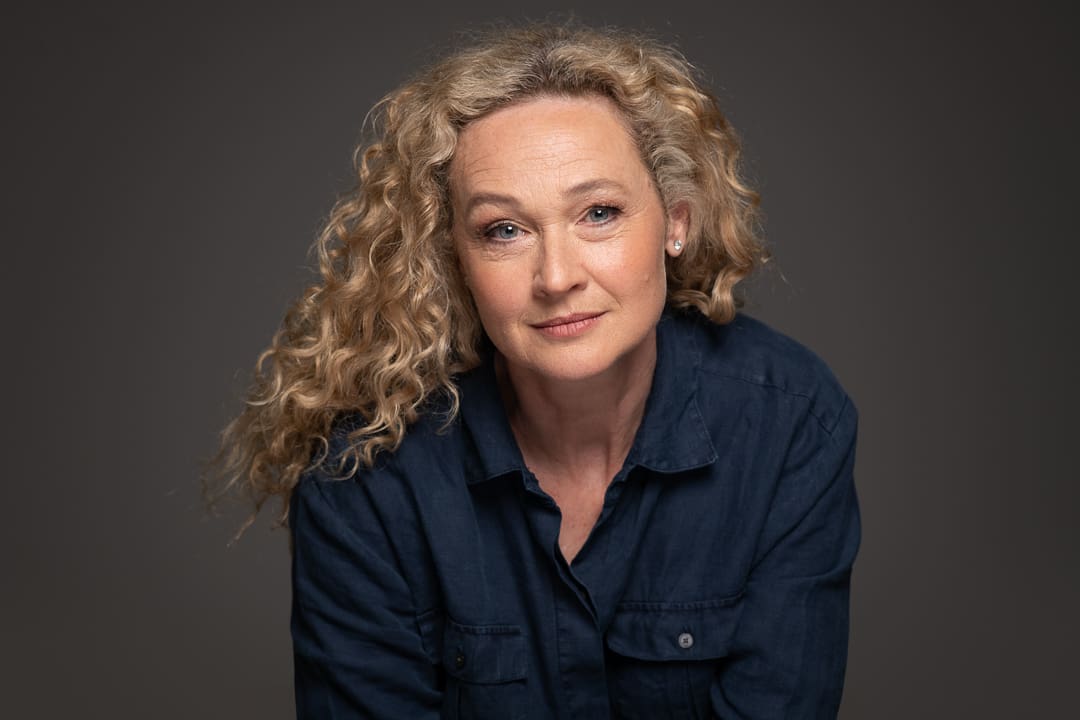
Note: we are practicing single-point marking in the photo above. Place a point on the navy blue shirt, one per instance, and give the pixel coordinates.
(714, 584)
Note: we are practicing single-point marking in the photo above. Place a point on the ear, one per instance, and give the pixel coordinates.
(678, 227)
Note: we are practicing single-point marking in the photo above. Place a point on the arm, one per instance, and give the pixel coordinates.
(356, 645)
(790, 649)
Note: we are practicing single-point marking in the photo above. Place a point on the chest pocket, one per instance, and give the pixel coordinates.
(662, 657)
(485, 668)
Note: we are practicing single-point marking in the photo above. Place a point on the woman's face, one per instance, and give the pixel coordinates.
(561, 235)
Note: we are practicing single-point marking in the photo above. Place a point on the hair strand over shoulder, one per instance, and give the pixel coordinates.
(389, 324)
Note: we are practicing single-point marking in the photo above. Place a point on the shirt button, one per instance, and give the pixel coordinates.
(686, 641)
(459, 661)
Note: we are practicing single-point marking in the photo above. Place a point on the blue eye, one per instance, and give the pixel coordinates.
(504, 231)
(601, 214)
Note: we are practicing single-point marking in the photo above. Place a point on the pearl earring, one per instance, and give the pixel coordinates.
(678, 246)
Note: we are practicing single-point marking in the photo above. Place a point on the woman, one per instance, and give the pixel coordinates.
(534, 463)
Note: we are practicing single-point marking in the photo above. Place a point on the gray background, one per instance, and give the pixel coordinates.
(166, 166)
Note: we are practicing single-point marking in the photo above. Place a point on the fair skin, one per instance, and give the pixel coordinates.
(562, 236)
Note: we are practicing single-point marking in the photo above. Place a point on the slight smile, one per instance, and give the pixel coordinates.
(567, 326)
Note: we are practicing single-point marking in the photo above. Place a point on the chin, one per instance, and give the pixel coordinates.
(575, 367)
(571, 372)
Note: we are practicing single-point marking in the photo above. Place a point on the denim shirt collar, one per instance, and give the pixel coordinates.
(672, 438)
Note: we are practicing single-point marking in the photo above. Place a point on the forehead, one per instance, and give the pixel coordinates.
(548, 140)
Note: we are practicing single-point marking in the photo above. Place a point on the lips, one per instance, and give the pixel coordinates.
(567, 319)
(566, 326)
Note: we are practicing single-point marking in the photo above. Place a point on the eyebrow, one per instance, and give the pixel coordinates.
(488, 199)
(581, 188)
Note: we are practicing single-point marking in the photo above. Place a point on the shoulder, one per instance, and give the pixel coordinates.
(424, 457)
(381, 516)
(749, 354)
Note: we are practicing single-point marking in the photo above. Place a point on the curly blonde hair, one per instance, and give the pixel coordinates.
(391, 323)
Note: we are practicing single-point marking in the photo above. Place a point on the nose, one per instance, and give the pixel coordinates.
(560, 266)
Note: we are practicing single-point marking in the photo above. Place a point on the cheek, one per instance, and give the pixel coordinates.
(495, 291)
(640, 262)
(649, 267)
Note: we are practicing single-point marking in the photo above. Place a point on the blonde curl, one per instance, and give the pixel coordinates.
(390, 322)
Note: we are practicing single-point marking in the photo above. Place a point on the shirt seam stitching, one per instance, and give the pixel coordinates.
(793, 393)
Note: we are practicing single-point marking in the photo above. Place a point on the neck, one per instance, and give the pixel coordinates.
(578, 428)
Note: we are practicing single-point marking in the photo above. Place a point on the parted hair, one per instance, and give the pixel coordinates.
(390, 322)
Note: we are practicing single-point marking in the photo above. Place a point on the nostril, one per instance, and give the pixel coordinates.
(559, 269)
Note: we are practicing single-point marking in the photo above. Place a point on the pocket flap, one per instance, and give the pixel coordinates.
(674, 631)
(484, 653)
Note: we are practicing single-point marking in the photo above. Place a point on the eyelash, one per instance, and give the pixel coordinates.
(488, 231)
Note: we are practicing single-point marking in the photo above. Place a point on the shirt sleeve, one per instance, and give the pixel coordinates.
(790, 649)
(357, 647)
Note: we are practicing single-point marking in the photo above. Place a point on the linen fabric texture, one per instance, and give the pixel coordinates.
(715, 583)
